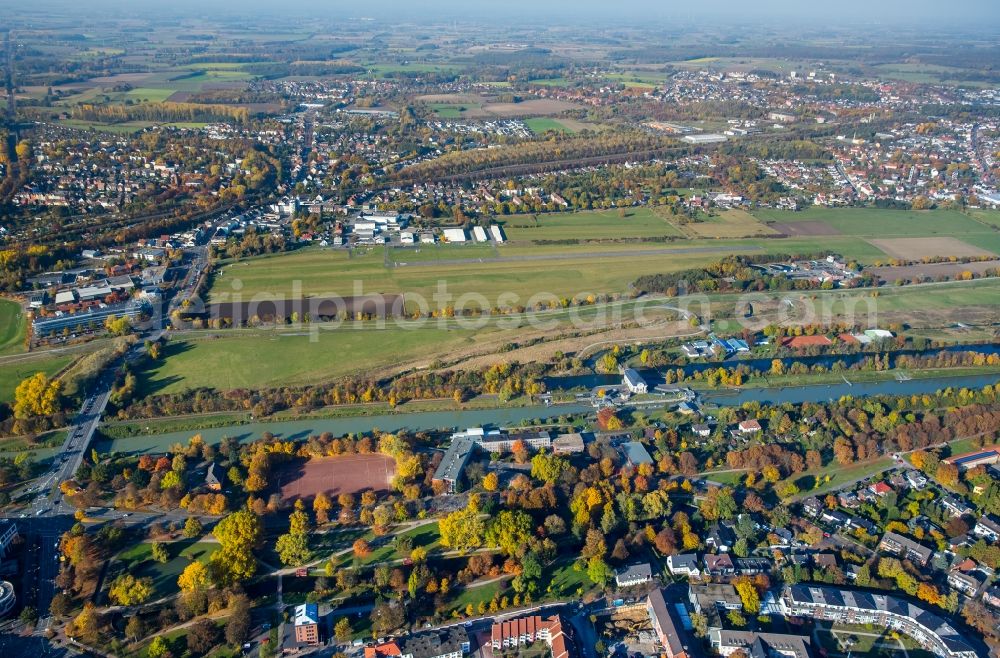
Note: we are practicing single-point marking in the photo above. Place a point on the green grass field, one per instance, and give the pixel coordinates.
(137, 560)
(539, 125)
(561, 271)
(13, 326)
(263, 359)
(451, 110)
(833, 475)
(425, 536)
(12, 374)
(590, 225)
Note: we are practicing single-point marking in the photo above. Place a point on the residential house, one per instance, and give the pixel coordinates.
(719, 565)
(701, 429)
(825, 561)
(848, 499)
(991, 597)
(751, 566)
(987, 528)
(880, 489)
(955, 506)
(636, 574)
(751, 426)
(835, 518)
(452, 642)
(833, 604)
(685, 564)
(720, 537)
(523, 631)
(214, 477)
(714, 599)
(916, 479)
(812, 507)
(905, 547)
(964, 582)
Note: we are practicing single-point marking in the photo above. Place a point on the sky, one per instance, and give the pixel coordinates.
(980, 13)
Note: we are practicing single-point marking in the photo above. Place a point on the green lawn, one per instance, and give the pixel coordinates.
(137, 560)
(546, 270)
(730, 479)
(241, 361)
(13, 327)
(451, 110)
(539, 125)
(814, 483)
(561, 579)
(475, 595)
(13, 373)
(425, 536)
(640, 222)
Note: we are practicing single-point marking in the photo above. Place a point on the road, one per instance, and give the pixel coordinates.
(49, 514)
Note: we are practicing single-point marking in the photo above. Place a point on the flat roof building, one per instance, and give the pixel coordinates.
(706, 138)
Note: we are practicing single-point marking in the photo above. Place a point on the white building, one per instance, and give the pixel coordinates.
(454, 235)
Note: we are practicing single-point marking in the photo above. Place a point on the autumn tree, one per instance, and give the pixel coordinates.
(748, 594)
(203, 635)
(463, 530)
(293, 546)
(491, 481)
(192, 528)
(159, 552)
(37, 396)
(510, 531)
(238, 626)
(238, 535)
(195, 578)
(321, 507)
(342, 630)
(126, 589)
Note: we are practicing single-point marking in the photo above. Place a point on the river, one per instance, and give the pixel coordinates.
(512, 416)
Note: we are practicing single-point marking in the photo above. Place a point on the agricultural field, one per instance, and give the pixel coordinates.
(919, 248)
(879, 223)
(928, 305)
(472, 106)
(158, 86)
